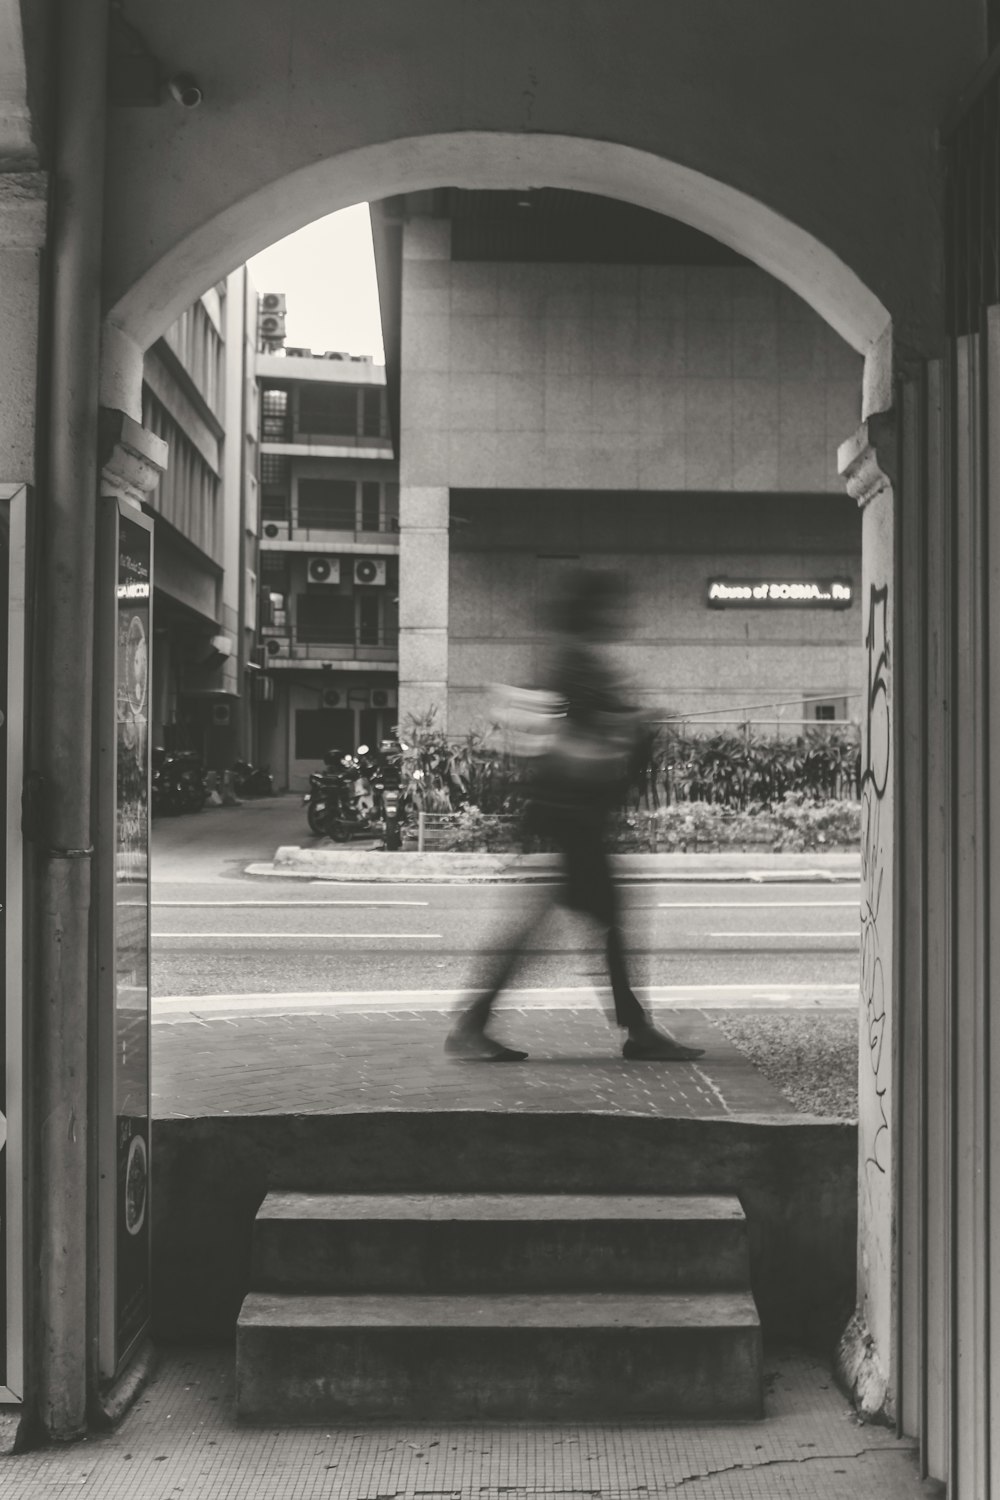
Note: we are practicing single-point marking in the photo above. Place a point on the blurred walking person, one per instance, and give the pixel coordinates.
(589, 754)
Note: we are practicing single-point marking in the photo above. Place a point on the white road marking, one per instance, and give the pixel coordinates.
(853, 933)
(739, 905)
(270, 936)
(236, 904)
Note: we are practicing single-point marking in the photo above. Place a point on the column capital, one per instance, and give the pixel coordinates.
(867, 461)
(132, 459)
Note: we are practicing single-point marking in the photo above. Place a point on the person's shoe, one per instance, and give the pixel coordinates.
(658, 1046)
(473, 1045)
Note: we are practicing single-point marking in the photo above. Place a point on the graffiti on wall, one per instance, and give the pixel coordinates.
(876, 931)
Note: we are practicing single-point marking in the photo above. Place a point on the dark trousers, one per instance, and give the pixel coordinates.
(588, 887)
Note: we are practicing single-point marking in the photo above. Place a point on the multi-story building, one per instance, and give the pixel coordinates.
(199, 395)
(585, 383)
(329, 558)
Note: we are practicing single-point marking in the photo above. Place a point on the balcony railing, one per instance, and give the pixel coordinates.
(308, 518)
(284, 643)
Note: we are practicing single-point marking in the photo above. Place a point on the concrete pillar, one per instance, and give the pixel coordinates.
(22, 234)
(423, 474)
(423, 601)
(867, 1354)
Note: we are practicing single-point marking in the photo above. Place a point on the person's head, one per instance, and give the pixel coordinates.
(594, 605)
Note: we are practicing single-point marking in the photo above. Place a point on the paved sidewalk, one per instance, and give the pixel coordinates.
(182, 1440)
(211, 1060)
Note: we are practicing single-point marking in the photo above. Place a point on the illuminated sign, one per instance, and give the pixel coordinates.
(780, 593)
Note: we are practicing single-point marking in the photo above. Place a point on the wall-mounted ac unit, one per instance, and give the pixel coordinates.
(383, 698)
(323, 569)
(273, 529)
(273, 302)
(272, 327)
(334, 698)
(221, 714)
(369, 570)
(278, 648)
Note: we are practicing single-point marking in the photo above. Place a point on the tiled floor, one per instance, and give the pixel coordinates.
(254, 1061)
(181, 1440)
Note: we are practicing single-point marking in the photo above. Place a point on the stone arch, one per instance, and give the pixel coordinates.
(493, 159)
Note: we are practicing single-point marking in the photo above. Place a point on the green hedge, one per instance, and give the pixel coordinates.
(739, 772)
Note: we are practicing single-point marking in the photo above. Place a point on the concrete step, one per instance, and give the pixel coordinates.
(312, 1242)
(304, 1360)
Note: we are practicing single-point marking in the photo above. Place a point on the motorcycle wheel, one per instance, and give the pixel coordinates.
(316, 815)
(194, 798)
(393, 836)
(339, 831)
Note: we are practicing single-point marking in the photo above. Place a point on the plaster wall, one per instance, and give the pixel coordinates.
(308, 108)
(681, 657)
(590, 377)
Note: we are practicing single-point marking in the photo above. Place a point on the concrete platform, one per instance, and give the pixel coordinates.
(463, 1242)
(316, 1359)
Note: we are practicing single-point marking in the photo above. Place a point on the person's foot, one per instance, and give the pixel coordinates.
(473, 1045)
(651, 1045)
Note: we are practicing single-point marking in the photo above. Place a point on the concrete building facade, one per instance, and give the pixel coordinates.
(199, 397)
(329, 579)
(673, 421)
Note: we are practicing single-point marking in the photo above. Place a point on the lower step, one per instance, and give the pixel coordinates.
(313, 1359)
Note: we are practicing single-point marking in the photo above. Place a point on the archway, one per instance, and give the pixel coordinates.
(485, 159)
(774, 243)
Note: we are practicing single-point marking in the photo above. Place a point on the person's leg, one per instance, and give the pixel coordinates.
(468, 1037)
(592, 889)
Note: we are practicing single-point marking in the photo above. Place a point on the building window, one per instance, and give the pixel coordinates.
(328, 410)
(325, 618)
(826, 710)
(327, 504)
(372, 409)
(318, 730)
(371, 505)
(274, 426)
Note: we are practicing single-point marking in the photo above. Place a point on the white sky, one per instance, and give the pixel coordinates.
(327, 273)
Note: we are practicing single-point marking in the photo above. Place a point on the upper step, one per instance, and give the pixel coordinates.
(498, 1242)
(310, 1359)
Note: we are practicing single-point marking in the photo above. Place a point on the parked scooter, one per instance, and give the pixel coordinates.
(330, 795)
(356, 795)
(177, 781)
(251, 781)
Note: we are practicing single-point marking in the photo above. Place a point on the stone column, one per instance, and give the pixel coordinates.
(867, 1353)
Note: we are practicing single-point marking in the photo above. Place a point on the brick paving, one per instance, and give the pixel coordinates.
(182, 1440)
(340, 1058)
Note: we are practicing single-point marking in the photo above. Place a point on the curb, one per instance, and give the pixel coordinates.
(316, 864)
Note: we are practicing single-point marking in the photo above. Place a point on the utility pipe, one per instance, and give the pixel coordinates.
(62, 754)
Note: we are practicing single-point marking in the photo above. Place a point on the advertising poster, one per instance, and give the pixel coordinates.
(131, 948)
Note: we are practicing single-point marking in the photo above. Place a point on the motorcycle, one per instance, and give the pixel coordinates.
(177, 781)
(251, 781)
(331, 807)
(356, 795)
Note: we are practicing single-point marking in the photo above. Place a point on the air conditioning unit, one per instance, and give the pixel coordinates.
(273, 302)
(333, 698)
(369, 570)
(272, 327)
(272, 529)
(323, 570)
(220, 714)
(383, 698)
(278, 648)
